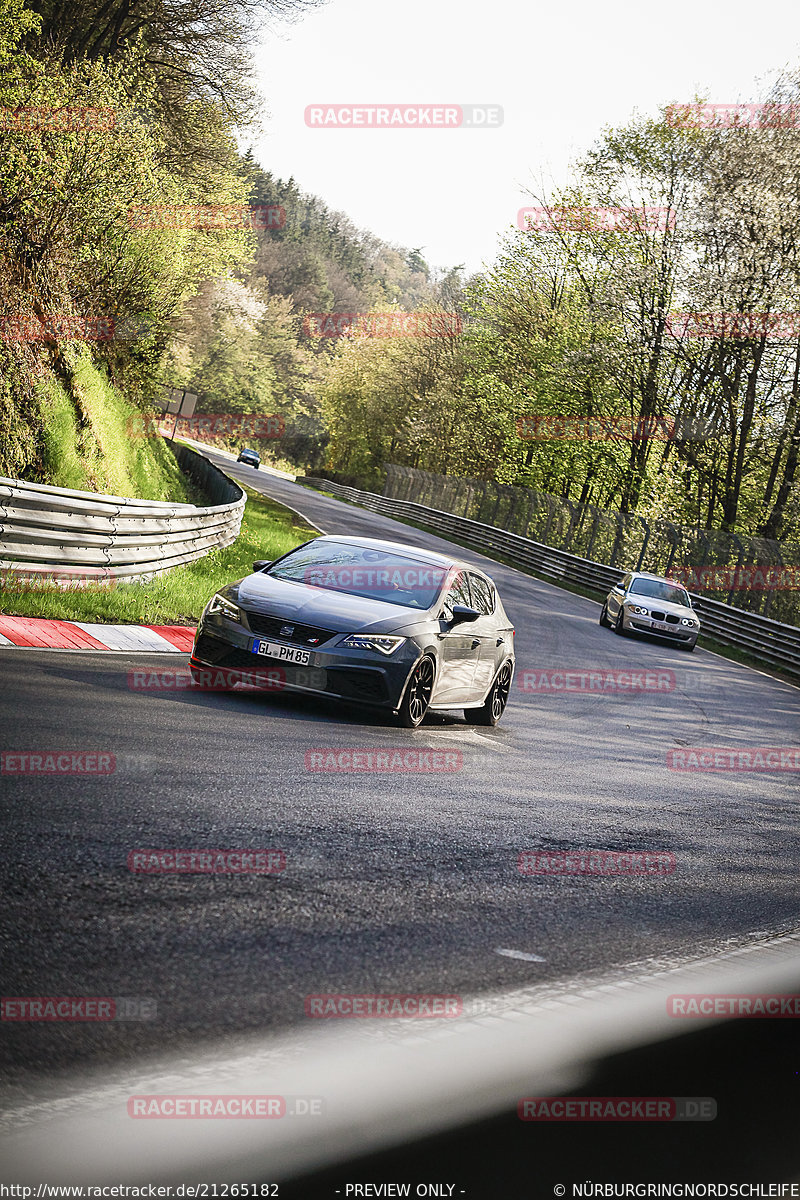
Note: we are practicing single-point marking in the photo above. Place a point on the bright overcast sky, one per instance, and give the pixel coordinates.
(561, 72)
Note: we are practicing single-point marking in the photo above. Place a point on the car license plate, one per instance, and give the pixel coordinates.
(276, 650)
(660, 625)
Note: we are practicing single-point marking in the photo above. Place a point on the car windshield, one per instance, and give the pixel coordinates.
(364, 571)
(658, 589)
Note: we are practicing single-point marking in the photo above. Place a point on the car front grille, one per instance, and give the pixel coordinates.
(670, 618)
(223, 654)
(306, 635)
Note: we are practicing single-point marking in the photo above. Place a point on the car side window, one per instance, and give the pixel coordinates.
(482, 594)
(458, 592)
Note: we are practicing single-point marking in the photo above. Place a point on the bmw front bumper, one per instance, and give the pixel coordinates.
(675, 633)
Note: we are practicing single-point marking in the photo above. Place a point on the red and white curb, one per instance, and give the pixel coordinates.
(30, 632)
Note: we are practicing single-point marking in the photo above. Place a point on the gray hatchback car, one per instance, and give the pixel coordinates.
(371, 622)
(645, 603)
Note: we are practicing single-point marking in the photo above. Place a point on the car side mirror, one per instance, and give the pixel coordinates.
(462, 612)
(261, 563)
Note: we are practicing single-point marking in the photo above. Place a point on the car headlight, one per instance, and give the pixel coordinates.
(365, 641)
(642, 612)
(227, 608)
(689, 621)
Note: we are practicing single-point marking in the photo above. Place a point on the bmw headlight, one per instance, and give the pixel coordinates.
(688, 621)
(383, 643)
(225, 608)
(642, 612)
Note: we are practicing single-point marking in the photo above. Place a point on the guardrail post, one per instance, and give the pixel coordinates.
(645, 543)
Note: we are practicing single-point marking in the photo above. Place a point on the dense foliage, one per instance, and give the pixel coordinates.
(573, 320)
(576, 319)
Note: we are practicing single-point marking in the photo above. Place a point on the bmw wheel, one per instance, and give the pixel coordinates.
(417, 695)
(619, 624)
(604, 621)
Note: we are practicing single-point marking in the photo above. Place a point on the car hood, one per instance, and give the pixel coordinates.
(310, 605)
(678, 610)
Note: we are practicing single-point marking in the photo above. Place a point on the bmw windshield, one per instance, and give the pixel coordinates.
(670, 593)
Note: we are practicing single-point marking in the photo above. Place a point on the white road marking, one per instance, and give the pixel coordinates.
(521, 954)
(129, 637)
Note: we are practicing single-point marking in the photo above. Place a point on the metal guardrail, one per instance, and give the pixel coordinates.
(771, 641)
(81, 536)
(624, 540)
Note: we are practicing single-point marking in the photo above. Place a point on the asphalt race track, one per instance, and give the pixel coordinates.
(402, 882)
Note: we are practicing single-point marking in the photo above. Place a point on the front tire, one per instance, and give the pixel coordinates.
(619, 624)
(494, 705)
(417, 695)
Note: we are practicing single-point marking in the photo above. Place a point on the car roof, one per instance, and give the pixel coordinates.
(427, 556)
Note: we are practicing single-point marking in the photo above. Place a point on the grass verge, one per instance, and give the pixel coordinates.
(177, 598)
(88, 441)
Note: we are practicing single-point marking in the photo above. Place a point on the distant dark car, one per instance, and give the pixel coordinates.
(372, 622)
(644, 603)
(250, 458)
